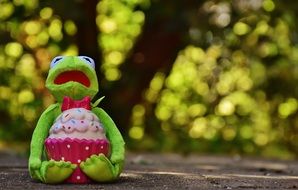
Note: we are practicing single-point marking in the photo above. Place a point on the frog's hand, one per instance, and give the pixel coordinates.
(100, 169)
(110, 167)
(37, 142)
(56, 171)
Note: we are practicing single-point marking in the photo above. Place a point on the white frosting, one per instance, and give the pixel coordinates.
(77, 123)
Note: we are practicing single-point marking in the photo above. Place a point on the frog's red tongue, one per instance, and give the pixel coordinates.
(77, 76)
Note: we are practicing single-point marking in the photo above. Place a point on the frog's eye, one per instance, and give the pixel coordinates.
(88, 60)
(55, 61)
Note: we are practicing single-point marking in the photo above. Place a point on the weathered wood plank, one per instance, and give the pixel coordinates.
(170, 171)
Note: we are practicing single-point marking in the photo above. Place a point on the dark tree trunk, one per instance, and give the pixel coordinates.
(87, 33)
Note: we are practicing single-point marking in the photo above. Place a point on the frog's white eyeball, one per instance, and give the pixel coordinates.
(88, 60)
(56, 60)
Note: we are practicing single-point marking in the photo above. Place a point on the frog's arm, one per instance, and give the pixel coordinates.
(115, 138)
(39, 135)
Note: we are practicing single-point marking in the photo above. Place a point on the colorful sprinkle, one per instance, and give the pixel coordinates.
(73, 121)
(82, 121)
(66, 115)
(79, 110)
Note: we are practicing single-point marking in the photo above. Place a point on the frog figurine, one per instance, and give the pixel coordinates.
(74, 140)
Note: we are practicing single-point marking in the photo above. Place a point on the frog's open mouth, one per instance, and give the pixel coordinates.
(77, 76)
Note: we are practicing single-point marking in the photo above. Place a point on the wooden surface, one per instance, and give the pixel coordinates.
(170, 171)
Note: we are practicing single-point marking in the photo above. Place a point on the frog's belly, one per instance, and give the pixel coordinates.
(77, 123)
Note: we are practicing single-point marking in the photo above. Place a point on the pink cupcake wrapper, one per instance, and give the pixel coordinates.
(75, 151)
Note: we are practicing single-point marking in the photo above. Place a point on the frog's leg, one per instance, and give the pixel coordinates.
(99, 167)
(46, 171)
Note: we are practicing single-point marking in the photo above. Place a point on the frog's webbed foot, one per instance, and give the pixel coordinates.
(100, 169)
(56, 171)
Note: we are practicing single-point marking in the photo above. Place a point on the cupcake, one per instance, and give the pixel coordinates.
(76, 134)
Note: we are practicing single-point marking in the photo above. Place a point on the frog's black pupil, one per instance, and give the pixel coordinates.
(87, 59)
(57, 59)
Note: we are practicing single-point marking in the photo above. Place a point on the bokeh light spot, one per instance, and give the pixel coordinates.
(246, 132)
(139, 110)
(287, 108)
(32, 27)
(55, 29)
(14, 49)
(138, 17)
(163, 113)
(5, 92)
(26, 66)
(268, 5)
(262, 27)
(43, 38)
(226, 107)
(25, 96)
(241, 28)
(6, 9)
(112, 74)
(115, 57)
(29, 114)
(32, 41)
(157, 82)
(197, 110)
(229, 134)
(70, 27)
(72, 50)
(108, 26)
(198, 128)
(261, 139)
(46, 13)
(136, 132)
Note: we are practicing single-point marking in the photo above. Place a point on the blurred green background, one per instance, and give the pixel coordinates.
(212, 77)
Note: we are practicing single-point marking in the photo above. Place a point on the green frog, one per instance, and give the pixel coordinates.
(73, 78)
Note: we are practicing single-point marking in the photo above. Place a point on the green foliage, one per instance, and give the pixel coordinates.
(119, 24)
(30, 36)
(231, 89)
